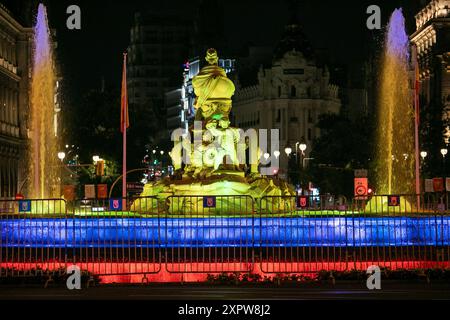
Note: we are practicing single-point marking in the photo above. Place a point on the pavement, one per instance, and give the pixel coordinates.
(343, 291)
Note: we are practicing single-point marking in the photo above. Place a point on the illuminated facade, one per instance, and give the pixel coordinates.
(289, 96)
(432, 39)
(15, 63)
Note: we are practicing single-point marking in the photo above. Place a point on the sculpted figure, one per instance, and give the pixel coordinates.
(213, 92)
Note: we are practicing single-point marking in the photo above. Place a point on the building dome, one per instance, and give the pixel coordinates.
(293, 39)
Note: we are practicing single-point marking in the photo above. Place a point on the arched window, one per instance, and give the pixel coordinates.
(293, 91)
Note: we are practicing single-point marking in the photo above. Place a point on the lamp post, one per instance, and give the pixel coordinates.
(288, 152)
(162, 161)
(444, 152)
(302, 149)
(423, 155)
(61, 156)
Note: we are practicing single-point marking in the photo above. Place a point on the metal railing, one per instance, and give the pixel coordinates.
(223, 233)
(209, 234)
(32, 242)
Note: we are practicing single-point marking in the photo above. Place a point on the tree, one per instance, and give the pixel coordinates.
(94, 126)
(432, 128)
(343, 146)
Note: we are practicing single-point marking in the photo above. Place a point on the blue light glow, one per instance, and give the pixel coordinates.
(226, 232)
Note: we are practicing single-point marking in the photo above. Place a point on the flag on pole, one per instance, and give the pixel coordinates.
(416, 84)
(124, 124)
(124, 120)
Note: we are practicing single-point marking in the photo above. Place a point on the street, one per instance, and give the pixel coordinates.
(344, 291)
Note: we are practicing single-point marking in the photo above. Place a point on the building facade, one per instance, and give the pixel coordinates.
(159, 45)
(15, 71)
(432, 40)
(289, 96)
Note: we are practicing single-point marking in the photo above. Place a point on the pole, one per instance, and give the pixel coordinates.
(124, 166)
(124, 133)
(416, 125)
(443, 173)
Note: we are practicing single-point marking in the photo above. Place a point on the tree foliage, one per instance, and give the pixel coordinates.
(343, 146)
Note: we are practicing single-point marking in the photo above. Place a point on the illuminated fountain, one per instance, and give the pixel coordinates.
(395, 135)
(44, 143)
(214, 166)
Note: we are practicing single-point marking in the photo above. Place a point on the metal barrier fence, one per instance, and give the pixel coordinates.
(215, 234)
(28, 245)
(115, 236)
(209, 234)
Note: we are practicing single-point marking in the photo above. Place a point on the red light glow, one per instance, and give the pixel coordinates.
(134, 272)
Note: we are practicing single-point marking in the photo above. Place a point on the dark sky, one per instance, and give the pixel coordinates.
(96, 51)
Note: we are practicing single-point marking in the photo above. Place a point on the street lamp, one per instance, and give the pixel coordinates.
(96, 159)
(423, 154)
(303, 147)
(444, 152)
(266, 156)
(161, 152)
(276, 154)
(288, 151)
(61, 156)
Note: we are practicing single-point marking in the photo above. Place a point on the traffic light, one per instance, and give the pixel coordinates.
(100, 168)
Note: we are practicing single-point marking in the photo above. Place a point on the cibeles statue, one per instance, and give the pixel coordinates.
(213, 91)
(218, 141)
(209, 159)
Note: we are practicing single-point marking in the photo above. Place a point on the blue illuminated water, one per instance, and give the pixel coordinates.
(226, 232)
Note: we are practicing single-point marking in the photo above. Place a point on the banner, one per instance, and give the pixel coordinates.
(69, 192)
(429, 185)
(102, 191)
(438, 184)
(89, 191)
(447, 184)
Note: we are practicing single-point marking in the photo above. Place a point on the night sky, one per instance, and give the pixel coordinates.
(94, 52)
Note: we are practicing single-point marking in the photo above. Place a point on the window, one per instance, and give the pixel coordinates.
(309, 134)
(278, 116)
(293, 91)
(279, 91)
(310, 119)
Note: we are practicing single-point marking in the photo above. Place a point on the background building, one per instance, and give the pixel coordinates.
(159, 46)
(432, 39)
(289, 96)
(15, 63)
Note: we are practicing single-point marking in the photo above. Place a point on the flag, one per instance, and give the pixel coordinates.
(124, 120)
